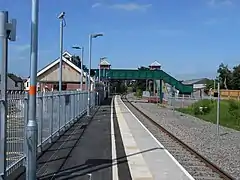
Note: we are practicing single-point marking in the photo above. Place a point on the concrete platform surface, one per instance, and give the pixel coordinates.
(151, 160)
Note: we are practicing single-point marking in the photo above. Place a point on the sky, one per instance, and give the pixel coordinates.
(189, 38)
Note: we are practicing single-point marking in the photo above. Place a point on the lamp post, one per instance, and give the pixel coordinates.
(91, 36)
(82, 50)
(62, 24)
(32, 126)
(218, 106)
(99, 72)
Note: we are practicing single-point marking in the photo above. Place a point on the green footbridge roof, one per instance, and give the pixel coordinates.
(131, 74)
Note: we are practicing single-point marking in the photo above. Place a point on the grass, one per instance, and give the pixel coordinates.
(229, 112)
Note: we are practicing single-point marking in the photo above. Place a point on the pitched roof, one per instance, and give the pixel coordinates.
(64, 58)
(104, 62)
(155, 63)
(67, 55)
(195, 81)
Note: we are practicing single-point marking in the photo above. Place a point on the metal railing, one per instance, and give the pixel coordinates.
(184, 101)
(55, 112)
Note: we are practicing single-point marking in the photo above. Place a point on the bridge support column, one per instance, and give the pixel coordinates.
(154, 87)
(108, 88)
(160, 92)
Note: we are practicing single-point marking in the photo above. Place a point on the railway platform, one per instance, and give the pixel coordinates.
(147, 158)
(111, 144)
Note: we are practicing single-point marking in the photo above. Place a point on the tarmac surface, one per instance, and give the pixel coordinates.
(84, 152)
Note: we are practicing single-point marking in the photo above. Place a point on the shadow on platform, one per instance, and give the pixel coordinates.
(84, 150)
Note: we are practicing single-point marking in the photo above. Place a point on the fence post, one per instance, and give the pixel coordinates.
(40, 125)
(51, 119)
(97, 99)
(74, 106)
(65, 108)
(26, 108)
(82, 103)
(79, 104)
(59, 113)
(183, 101)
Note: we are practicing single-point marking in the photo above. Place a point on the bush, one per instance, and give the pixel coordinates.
(234, 105)
(203, 107)
(234, 110)
(138, 93)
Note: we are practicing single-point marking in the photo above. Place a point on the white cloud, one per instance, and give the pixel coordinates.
(96, 5)
(126, 6)
(216, 3)
(132, 6)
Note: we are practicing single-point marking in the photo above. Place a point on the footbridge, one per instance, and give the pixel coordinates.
(158, 76)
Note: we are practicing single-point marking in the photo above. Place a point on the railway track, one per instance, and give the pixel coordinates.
(197, 165)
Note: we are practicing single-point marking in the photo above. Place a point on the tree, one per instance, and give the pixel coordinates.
(209, 85)
(236, 77)
(225, 76)
(118, 87)
(143, 68)
(85, 69)
(76, 60)
(92, 73)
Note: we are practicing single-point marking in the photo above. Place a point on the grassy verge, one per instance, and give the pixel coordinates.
(207, 110)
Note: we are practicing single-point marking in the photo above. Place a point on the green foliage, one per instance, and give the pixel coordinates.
(225, 76)
(119, 87)
(233, 105)
(92, 73)
(143, 68)
(138, 93)
(139, 84)
(229, 79)
(229, 112)
(209, 85)
(234, 110)
(202, 107)
(236, 77)
(129, 89)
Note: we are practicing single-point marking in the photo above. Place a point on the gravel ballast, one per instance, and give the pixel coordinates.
(200, 135)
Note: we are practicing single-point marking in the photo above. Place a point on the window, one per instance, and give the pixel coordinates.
(16, 84)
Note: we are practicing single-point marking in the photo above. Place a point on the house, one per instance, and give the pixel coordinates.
(14, 83)
(198, 85)
(48, 77)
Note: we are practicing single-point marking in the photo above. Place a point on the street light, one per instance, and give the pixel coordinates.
(99, 72)
(32, 126)
(82, 49)
(62, 24)
(91, 36)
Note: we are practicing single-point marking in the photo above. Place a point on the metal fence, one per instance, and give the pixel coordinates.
(184, 101)
(55, 111)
